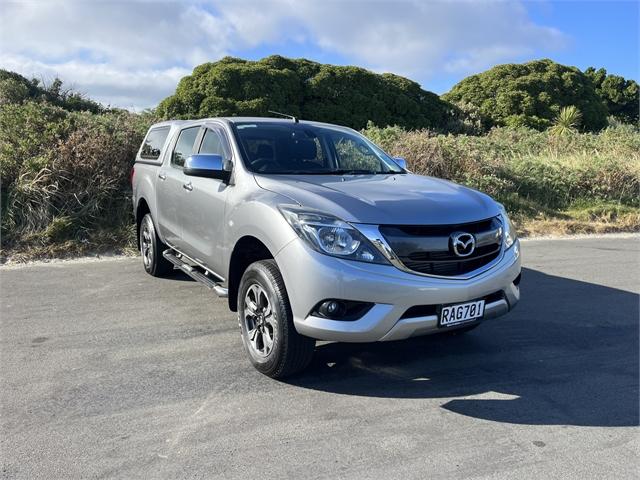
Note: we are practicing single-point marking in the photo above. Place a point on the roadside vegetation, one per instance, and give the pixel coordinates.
(64, 172)
(552, 183)
(567, 163)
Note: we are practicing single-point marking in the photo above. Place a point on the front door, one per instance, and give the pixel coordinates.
(203, 215)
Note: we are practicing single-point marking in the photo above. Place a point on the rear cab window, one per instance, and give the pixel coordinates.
(154, 143)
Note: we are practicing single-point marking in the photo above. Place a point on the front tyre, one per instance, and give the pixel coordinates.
(151, 248)
(272, 343)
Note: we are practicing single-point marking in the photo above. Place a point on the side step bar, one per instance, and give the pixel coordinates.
(194, 273)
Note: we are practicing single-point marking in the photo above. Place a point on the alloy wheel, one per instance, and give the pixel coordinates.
(146, 245)
(259, 322)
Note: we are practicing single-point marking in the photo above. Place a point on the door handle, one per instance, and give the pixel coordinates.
(187, 186)
(162, 176)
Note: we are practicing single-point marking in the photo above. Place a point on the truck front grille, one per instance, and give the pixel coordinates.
(428, 249)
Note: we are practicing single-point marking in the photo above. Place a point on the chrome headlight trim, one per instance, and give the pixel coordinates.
(329, 235)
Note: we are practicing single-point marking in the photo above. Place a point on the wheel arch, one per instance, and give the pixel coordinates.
(142, 208)
(247, 249)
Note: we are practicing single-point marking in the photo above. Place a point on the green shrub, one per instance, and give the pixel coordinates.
(14, 88)
(28, 133)
(531, 95)
(65, 174)
(349, 96)
(621, 96)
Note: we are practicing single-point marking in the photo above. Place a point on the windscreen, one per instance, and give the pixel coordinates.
(298, 148)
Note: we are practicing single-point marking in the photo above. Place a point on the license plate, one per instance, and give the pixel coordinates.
(461, 313)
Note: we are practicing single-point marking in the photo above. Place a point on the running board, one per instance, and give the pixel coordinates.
(194, 273)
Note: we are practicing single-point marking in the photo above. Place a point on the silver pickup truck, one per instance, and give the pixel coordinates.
(313, 232)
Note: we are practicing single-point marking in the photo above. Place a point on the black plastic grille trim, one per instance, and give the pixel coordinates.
(421, 248)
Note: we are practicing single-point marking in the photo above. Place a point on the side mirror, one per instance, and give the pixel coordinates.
(402, 163)
(207, 165)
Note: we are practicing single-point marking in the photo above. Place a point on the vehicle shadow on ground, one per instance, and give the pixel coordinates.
(568, 354)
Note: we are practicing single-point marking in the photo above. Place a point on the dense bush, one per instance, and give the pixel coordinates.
(531, 94)
(345, 95)
(620, 96)
(14, 88)
(65, 174)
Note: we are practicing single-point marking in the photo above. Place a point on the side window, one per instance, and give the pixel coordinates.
(153, 143)
(355, 155)
(184, 146)
(214, 142)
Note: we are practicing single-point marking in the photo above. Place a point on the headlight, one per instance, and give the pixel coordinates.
(330, 235)
(509, 231)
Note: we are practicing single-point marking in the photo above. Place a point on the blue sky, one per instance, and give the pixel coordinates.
(602, 33)
(132, 54)
(599, 33)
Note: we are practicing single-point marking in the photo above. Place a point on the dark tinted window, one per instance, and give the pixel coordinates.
(278, 148)
(353, 153)
(213, 142)
(299, 148)
(152, 146)
(184, 146)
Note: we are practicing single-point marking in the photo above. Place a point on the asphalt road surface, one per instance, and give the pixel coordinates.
(107, 372)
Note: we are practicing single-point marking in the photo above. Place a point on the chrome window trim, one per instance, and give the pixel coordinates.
(372, 233)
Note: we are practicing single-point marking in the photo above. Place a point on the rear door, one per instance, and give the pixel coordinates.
(172, 185)
(204, 212)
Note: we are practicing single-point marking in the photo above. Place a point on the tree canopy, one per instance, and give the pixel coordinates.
(344, 95)
(618, 94)
(14, 88)
(531, 94)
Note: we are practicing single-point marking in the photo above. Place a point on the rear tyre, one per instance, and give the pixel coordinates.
(151, 248)
(270, 339)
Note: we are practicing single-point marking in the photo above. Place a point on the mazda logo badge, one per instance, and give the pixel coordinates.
(463, 244)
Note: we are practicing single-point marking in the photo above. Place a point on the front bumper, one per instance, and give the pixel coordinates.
(311, 277)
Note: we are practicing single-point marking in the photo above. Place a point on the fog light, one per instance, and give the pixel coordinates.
(331, 309)
(345, 310)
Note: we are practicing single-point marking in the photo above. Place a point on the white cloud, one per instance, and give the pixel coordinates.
(412, 37)
(132, 54)
(129, 54)
(111, 85)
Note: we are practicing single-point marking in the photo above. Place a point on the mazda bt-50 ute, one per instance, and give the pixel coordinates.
(313, 232)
